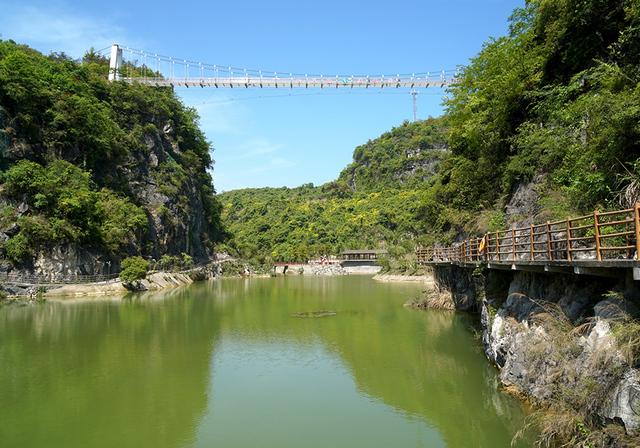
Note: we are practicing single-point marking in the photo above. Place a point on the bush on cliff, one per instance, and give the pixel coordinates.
(134, 269)
(66, 207)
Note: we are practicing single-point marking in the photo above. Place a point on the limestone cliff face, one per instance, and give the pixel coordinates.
(173, 202)
(94, 171)
(552, 337)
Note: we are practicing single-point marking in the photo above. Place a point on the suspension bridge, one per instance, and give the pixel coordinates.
(138, 66)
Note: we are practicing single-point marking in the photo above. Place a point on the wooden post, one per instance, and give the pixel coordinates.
(549, 253)
(474, 250)
(596, 228)
(487, 253)
(513, 243)
(626, 237)
(498, 244)
(568, 239)
(531, 254)
(471, 246)
(637, 229)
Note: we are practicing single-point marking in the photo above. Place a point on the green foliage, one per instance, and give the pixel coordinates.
(174, 262)
(72, 143)
(496, 221)
(187, 260)
(170, 177)
(285, 224)
(557, 98)
(133, 269)
(66, 208)
(404, 157)
(18, 248)
(120, 220)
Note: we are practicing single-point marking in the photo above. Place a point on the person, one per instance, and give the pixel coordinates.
(482, 249)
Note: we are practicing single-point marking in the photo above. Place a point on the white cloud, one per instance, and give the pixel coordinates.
(252, 163)
(53, 28)
(259, 147)
(220, 117)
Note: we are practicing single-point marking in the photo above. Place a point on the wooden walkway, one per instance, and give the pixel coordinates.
(596, 244)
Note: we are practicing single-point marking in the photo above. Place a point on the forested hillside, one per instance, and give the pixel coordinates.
(543, 123)
(94, 171)
(373, 203)
(405, 157)
(554, 107)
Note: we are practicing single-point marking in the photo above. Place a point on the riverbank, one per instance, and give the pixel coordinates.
(426, 278)
(154, 281)
(315, 269)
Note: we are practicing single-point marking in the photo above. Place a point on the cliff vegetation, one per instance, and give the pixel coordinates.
(373, 203)
(94, 171)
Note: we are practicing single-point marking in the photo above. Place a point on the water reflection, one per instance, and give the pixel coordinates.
(226, 364)
(105, 374)
(423, 364)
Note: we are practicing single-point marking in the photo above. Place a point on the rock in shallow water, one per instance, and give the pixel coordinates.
(314, 314)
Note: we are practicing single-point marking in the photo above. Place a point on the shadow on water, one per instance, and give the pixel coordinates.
(128, 373)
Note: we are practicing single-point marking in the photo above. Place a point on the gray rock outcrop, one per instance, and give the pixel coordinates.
(553, 338)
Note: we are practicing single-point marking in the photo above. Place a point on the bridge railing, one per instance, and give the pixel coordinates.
(600, 236)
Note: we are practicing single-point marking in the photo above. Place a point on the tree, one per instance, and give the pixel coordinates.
(134, 269)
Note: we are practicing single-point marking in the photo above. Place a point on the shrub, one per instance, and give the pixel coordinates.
(17, 248)
(187, 260)
(168, 262)
(134, 268)
(120, 219)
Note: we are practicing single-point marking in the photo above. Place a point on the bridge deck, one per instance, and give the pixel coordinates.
(291, 83)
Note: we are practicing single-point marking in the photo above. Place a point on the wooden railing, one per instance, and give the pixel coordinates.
(600, 236)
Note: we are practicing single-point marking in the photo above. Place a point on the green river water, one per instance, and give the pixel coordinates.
(227, 364)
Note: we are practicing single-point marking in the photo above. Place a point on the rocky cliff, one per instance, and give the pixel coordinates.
(94, 171)
(406, 156)
(568, 343)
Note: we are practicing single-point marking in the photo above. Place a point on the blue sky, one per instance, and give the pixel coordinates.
(268, 137)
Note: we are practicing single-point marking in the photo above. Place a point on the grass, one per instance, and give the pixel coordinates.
(433, 299)
(562, 426)
(579, 383)
(627, 335)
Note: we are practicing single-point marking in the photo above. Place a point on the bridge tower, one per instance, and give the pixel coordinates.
(115, 62)
(414, 94)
